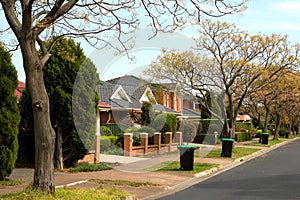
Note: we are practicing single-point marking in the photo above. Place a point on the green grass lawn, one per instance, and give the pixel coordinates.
(86, 167)
(237, 152)
(173, 166)
(270, 143)
(70, 194)
(9, 182)
(293, 136)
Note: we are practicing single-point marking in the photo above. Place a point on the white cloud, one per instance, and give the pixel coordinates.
(288, 6)
(290, 26)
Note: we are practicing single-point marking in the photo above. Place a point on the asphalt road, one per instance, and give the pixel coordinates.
(275, 175)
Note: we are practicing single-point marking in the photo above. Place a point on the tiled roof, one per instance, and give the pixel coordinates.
(164, 109)
(105, 91)
(104, 105)
(128, 80)
(19, 89)
(188, 113)
(164, 86)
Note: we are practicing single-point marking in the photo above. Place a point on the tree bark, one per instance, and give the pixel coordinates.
(232, 118)
(59, 149)
(277, 128)
(266, 118)
(44, 135)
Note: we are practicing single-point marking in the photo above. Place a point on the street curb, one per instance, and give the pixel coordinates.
(202, 176)
(71, 184)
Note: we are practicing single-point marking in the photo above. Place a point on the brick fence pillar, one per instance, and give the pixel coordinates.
(157, 140)
(128, 144)
(144, 141)
(168, 139)
(178, 138)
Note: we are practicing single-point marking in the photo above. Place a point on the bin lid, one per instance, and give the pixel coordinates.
(265, 133)
(187, 146)
(227, 139)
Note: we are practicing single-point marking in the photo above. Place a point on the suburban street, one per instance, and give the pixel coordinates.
(274, 175)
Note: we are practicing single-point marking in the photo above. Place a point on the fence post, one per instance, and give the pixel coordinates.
(128, 144)
(144, 141)
(169, 139)
(157, 140)
(178, 138)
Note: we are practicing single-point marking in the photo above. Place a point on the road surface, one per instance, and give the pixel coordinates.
(275, 175)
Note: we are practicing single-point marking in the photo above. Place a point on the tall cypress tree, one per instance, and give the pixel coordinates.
(60, 74)
(9, 114)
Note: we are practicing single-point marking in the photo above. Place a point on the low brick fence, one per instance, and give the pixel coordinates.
(145, 148)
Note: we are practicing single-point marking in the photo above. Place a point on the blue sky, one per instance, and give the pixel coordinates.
(262, 16)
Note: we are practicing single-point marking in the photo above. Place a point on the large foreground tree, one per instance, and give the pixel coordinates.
(34, 22)
(9, 114)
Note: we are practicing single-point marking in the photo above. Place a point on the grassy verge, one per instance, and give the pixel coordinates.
(293, 136)
(86, 167)
(123, 182)
(270, 143)
(237, 152)
(71, 194)
(173, 166)
(9, 182)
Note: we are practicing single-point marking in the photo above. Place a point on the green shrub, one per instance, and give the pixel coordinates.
(108, 143)
(163, 123)
(243, 136)
(150, 131)
(106, 131)
(147, 113)
(206, 139)
(116, 129)
(86, 167)
(212, 125)
(115, 151)
(283, 131)
(120, 140)
(147, 129)
(188, 129)
(243, 126)
(258, 133)
(198, 125)
(136, 135)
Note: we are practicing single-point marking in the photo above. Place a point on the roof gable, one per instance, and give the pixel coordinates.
(120, 94)
(148, 96)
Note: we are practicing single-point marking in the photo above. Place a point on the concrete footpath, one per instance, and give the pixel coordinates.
(138, 169)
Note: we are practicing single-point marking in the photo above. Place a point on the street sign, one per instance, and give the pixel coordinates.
(286, 120)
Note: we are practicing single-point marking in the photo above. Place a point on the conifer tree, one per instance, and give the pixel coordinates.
(9, 114)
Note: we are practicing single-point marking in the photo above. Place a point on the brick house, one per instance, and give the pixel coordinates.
(122, 100)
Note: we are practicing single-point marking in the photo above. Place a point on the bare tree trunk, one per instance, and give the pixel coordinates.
(277, 128)
(44, 135)
(232, 119)
(59, 149)
(266, 118)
